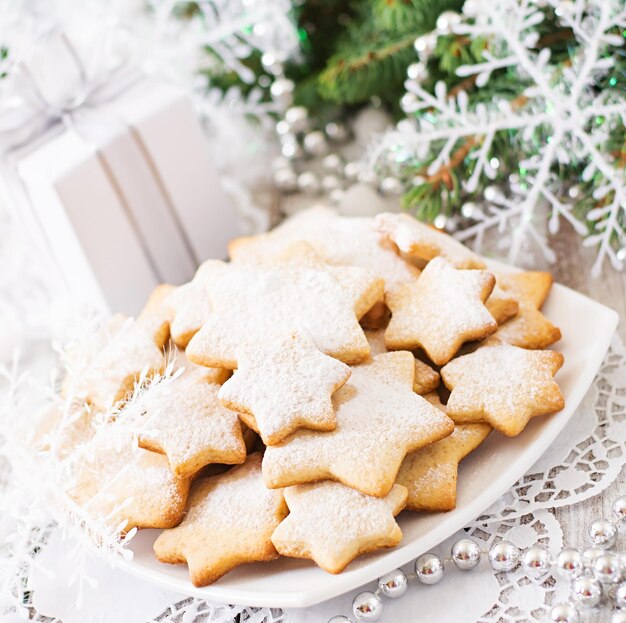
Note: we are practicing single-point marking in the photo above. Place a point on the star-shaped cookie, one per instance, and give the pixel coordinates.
(426, 379)
(440, 311)
(423, 242)
(379, 420)
(285, 386)
(340, 240)
(112, 479)
(333, 524)
(230, 521)
(529, 328)
(430, 474)
(186, 422)
(503, 385)
(103, 368)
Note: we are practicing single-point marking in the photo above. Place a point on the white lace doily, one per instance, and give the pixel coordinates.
(587, 457)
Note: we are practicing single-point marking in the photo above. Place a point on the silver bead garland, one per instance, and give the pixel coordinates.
(597, 576)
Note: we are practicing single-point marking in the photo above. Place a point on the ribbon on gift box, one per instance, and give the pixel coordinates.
(39, 104)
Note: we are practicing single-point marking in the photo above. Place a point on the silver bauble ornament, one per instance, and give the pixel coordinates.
(297, 117)
(367, 607)
(425, 45)
(564, 613)
(491, 193)
(393, 584)
(602, 533)
(619, 510)
(621, 254)
(282, 91)
(332, 163)
(286, 179)
(536, 561)
(330, 182)
(352, 170)
(429, 568)
(336, 132)
(314, 143)
(465, 554)
(607, 568)
(336, 196)
(570, 562)
(417, 72)
(308, 183)
(503, 556)
(391, 186)
(339, 619)
(619, 616)
(447, 21)
(586, 591)
(620, 595)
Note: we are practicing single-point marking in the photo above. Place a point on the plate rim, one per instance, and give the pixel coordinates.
(402, 555)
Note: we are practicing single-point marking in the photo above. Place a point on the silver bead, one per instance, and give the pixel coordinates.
(336, 132)
(503, 556)
(429, 568)
(336, 196)
(286, 179)
(491, 193)
(271, 63)
(620, 595)
(280, 162)
(590, 555)
(619, 616)
(330, 182)
(468, 209)
(440, 221)
(283, 128)
(425, 45)
(536, 561)
(621, 254)
(417, 72)
(393, 584)
(291, 150)
(607, 568)
(367, 606)
(465, 554)
(339, 619)
(619, 509)
(315, 143)
(447, 21)
(367, 176)
(586, 591)
(570, 562)
(470, 8)
(308, 183)
(602, 533)
(297, 117)
(332, 163)
(391, 186)
(574, 192)
(564, 613)
(408, 102)
(282, 91)
(352, 170)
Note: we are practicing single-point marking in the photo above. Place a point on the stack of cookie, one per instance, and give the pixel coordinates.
(345, 366)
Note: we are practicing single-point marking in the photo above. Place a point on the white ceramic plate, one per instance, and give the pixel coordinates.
(587, 328)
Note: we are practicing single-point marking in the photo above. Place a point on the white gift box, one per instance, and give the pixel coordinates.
(123, 195)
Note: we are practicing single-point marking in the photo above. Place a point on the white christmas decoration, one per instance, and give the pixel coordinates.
(560, 103)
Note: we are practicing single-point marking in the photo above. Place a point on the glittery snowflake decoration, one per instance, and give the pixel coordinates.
(561, 122)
